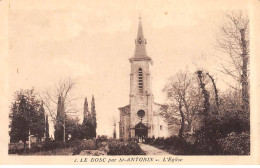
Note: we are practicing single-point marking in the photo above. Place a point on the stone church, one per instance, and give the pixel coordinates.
(142, 117)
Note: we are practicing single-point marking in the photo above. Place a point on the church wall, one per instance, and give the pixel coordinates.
(134, 78)
(140, 100)
(124, 128)
(160, 125)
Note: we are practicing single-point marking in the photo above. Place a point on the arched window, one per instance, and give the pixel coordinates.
(140, 79)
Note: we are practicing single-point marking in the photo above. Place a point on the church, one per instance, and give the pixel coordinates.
(142, 117)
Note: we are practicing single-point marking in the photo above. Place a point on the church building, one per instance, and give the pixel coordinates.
(142, 117)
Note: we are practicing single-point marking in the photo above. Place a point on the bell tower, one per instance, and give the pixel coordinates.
(141, 97)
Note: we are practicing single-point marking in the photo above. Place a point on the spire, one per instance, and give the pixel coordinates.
(140, 42)
(140, 45)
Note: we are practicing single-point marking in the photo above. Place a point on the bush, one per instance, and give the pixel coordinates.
(158, 142)
(51, 145)
(175, 145)
(76, 145)
(102, 138)
(236, 144)
(15, 148)
(216, 128)
(124, 148)
(80, 145)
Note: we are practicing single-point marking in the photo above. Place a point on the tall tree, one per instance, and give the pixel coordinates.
(24, 116)
(40, 127)
(59, 134)
(47, 135)
(86, 125)
(93, 116)
(60, 104)
(233, 40)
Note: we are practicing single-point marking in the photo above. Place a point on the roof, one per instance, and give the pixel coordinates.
(127, 106)
(140, 46)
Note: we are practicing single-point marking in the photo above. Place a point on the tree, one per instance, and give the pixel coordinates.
(59, 126)
(233, 40)
(24, 116)
(40, 126)
(114, 131)
(72, 128)
(86, 125)
(205, 94)
(47, 135)
(179, 92)
(93, 117)
(59, 104)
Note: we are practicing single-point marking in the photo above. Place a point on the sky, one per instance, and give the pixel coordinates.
(91, 43)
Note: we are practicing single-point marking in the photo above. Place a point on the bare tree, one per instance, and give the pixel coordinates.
(233, 40)
(58, 101)
(178, 91)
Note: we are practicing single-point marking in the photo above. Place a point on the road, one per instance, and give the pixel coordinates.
(150, 150)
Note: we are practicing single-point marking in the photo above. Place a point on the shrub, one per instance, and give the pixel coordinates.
(79, 145)
(236, 144)
(76, 145)
(158, 142)
(215, 128)
(53, 145)
(102, 138)
(124, 148)
(175, 145)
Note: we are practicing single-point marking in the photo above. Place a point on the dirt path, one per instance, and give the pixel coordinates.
(150, 150)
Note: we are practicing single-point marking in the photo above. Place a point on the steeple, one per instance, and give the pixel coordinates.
(140, 45)
(140, 42)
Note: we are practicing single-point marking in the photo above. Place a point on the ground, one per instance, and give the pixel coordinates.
(150, 150)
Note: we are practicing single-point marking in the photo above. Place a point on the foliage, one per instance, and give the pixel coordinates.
(60, 121)
(80, 145)
(27, 115)
(174, 145)
(76, 147)
(47, 128)
(102, 138)
(72, 128)
(86, 125)
(93, 117)
(216, 128)
(124, 148)
(236, 144)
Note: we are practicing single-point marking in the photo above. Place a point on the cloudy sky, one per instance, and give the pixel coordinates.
(91, 42)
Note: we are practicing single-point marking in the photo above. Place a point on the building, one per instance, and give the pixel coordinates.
(142, 117)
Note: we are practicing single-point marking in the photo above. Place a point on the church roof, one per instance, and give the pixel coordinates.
(127, 106)
(140, 45)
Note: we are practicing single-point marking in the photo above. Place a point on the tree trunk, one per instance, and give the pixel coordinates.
(188, 114)
(182, 122)
(205, 94)
(216, 92)
(244, 77)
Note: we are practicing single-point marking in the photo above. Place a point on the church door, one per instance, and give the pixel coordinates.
(141, 132)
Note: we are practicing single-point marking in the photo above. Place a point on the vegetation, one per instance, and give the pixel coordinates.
(75, 147)
(117, 147)
(27, 117)
(216, 120)
(54, 147)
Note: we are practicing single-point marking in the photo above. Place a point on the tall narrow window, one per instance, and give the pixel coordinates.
(140, 79)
